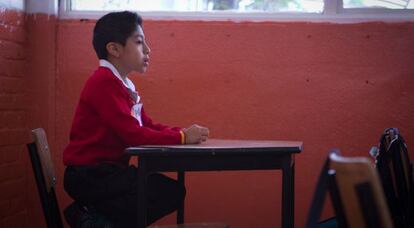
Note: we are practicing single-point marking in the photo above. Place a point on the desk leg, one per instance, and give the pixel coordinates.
(142, 181)
(288, 193)
(180, 211)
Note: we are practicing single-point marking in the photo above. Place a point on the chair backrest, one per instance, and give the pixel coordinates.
(356, 193)
(45, 178)
(395, 170)
(318, 199)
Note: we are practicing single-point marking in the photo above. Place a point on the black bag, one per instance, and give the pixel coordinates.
(395, 171)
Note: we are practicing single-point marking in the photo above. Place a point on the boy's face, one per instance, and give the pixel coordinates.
(135, 54)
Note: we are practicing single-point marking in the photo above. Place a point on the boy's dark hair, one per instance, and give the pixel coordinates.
(114, 27)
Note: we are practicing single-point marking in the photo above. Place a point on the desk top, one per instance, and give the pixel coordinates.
(219, 147)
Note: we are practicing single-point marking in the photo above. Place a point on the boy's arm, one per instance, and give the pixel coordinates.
(156, 126)
(111, 106)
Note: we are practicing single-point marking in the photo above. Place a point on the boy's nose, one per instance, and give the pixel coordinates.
(147, 49)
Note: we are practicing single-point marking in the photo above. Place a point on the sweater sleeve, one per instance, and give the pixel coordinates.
(156, 126)
(111, 105)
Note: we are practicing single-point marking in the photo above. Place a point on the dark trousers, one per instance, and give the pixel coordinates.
(112, 191)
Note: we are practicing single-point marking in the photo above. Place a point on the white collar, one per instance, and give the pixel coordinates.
(127, 83)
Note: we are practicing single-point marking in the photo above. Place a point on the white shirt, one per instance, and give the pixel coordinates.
(137, 107)
(127, 83)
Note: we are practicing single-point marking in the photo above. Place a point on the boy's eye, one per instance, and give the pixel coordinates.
(139, 41)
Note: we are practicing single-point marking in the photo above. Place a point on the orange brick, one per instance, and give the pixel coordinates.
(16, 220)
(14, 136)
(13, 101)
(13, 119)
(12, 85)
(17, 205)
(11, 153)
(12, 33)
(10, 171)
(12, 189)
(12, 68)
(4, 208)
(12, 50)
(12, 17)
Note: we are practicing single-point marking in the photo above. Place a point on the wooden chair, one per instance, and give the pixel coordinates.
(46, 182)
(318, 199)
(45, 178)
(356, 193)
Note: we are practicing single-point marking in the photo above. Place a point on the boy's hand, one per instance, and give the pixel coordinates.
(195, 134)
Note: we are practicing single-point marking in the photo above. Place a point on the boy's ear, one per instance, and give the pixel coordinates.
(114, 49)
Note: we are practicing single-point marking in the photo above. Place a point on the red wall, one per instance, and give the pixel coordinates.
(328, 85)
(13, 116)
(27, 74)
(41, 71)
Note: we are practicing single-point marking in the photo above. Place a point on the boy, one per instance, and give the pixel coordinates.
(109, 118)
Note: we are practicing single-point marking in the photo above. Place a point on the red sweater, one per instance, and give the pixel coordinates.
(103, 125)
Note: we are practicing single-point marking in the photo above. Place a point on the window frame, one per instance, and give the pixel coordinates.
(333, 12)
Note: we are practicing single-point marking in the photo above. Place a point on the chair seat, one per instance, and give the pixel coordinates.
(193, 225)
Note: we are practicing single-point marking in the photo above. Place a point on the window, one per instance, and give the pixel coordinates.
(201, 5)
(341, 11)
(388, 4)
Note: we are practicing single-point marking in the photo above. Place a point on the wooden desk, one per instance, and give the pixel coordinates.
(214, 155)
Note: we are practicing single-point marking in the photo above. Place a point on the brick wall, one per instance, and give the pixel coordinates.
(41, 29)
(13, 120)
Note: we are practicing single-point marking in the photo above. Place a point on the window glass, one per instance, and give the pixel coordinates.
(390, 4)
(311, 6)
